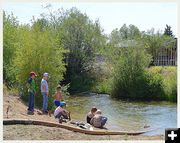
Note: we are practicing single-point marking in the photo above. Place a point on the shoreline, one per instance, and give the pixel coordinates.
(35, 132)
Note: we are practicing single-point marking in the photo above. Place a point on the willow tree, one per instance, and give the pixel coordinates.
(38, 50)
(81, 36)
(10, 40)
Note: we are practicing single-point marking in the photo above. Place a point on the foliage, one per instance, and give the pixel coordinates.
(124, 33)
(131, 36)
(81, 83)
(64, 90)
(169, 75)
(103, 86)
(168, 31)
(130, 79)
(73, 48)
(40, 54)
(130, 65)
(133, 80)
(10, 27)
(81, 36)
(153, 41)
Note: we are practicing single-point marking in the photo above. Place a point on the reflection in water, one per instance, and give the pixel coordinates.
(131, 116)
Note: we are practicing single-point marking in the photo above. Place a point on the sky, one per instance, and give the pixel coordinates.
(111, 15)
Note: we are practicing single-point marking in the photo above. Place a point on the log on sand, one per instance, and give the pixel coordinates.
(68, 127)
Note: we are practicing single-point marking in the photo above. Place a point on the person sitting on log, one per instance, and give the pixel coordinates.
(91, 114)
(98, 120)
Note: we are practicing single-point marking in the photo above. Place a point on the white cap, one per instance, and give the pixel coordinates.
(46, 74)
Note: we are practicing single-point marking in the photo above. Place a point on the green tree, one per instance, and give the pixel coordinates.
(129, 32)
(10, 41)
(81, 36)
(41, 52)
(124, 37)
(133, 32)
(115, 37)
(154, 41)
(168, 31)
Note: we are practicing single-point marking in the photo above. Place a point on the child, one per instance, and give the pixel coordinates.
(58, 97)
(91, 114)
(45, 92)
(31, 91)
(61, 113)
(98, 120)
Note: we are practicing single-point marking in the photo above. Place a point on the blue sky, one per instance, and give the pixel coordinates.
(111, 15)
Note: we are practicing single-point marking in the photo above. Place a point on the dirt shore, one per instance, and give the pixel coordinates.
(17, 109)
(32, 132)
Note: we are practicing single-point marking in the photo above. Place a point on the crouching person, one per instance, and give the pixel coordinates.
(91, 114)
(62, 114)
(98, 120)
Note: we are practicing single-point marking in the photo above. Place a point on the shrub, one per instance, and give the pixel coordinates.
(81, 83)
(169, 75)
(154, 89)
(10, 39)
(128, 74)
(102, 86)
(132, 80)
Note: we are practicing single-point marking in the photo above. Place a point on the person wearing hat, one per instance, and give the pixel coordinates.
(45, 92)
(31, 91)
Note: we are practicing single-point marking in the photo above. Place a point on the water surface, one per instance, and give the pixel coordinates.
(128, 116)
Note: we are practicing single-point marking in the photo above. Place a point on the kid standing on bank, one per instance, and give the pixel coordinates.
(31, 91)
(45, 92)
(58, 99)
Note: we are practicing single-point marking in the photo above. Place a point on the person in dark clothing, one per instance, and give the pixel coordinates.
(90, 115)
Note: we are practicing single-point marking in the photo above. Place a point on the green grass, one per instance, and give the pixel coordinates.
(103, 86)
(169, 75)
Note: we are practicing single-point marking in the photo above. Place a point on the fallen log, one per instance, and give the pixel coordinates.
(68, 127)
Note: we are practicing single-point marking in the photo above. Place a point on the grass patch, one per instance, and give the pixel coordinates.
(169, 75)
(103, 86)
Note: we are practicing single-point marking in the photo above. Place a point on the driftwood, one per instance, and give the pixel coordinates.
(7, 109)
(68, 127)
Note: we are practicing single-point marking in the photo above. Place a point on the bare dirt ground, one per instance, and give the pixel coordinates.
(18, 110)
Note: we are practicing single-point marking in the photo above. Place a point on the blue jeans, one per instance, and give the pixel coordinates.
(45, 101)
(31, 102)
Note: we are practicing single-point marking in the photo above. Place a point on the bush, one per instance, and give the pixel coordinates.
(154, 89)
(128, 79)
(10, 38)
(169, 76)
(81, 83)
(102, 86)
(132, 81)
(145, 87)
(170, 87)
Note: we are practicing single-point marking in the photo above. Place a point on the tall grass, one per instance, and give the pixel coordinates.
(169, 76)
